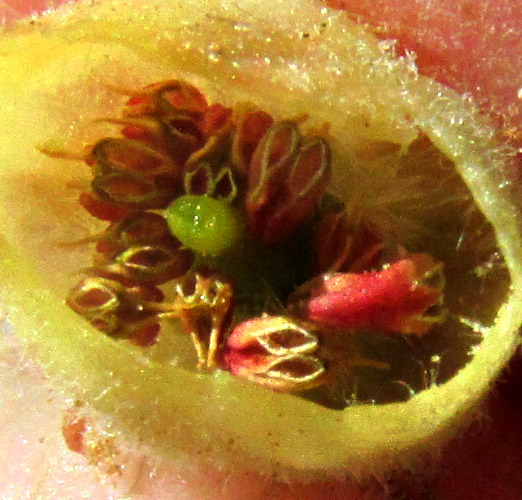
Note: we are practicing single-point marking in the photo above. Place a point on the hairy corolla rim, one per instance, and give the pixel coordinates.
(278, 434)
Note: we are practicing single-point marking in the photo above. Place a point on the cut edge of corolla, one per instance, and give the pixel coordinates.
(355, 450)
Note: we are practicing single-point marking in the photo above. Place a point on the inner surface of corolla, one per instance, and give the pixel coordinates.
(258, 235)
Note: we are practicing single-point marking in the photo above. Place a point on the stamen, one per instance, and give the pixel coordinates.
(390, 300)
(127, 154)
(130, 190)
(153, 265)
(276, 352)
(286, 182)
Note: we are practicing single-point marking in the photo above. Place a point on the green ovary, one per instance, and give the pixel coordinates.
(205, 225)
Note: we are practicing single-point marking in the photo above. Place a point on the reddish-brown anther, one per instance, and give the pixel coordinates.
(102, 209)
(250, 128)
(116, 308)
(150, 264)
(332, 242)
(140, 228)
(122, 154)
(177, 137)
(171, 97)
(341, 244)
(128, 189)
(215, 117)
(275, 351)
(101, 302)
(396, 299)
(286, 181)
(180, 96)
(272, 158)
(275, 334)
(216, 125)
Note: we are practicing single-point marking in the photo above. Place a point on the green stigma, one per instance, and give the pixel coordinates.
(205, 225)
